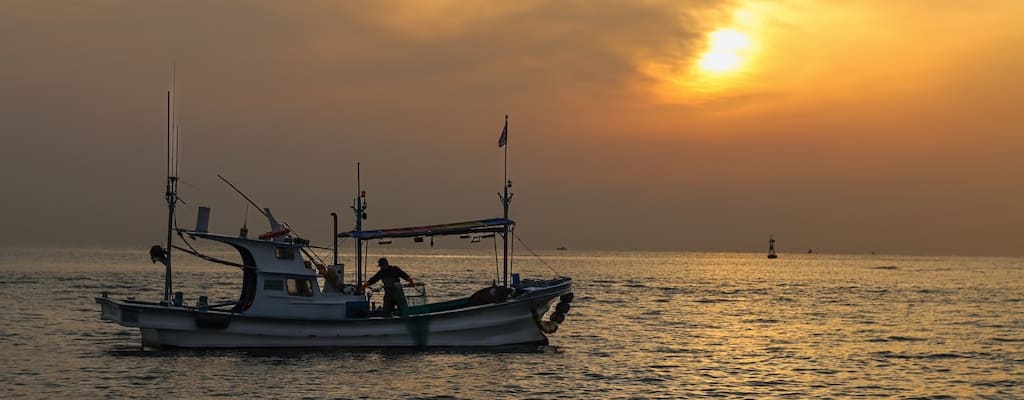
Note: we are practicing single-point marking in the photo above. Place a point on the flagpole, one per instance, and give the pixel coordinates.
(505, 200)
(505, 270)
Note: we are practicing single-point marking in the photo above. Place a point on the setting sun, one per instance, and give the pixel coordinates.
(724, 51)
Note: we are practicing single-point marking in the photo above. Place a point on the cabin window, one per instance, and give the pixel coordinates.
(273, 285)
(300, 287)
(284, 253)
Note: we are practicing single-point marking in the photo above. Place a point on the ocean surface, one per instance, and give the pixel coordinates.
(644, 325)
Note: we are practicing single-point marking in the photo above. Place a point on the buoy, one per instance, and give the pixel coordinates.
(557, 317)
(547, 326)
(566, 297)
(562, 308)
(544, 326)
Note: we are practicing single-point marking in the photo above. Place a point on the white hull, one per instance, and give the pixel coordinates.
(512, 322)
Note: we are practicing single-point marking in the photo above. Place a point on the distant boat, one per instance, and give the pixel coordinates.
(771, 247)
(562, 248)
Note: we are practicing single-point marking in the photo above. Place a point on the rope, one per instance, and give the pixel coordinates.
(192, 250)
(535, 254)
(313, 257)
(511, 251)
(497, 274)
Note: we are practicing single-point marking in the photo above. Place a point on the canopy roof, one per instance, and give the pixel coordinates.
(457, 228)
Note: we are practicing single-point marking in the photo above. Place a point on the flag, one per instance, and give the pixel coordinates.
(503, 140)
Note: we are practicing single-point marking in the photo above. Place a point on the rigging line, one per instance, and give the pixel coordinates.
(189, 184)
(210, 259)
(496, 265)
(293, 231)
(192, 250)
(511, 251)
(177, 148)
(366, 256)
(535, 254)
(329, 251)
(311, 255)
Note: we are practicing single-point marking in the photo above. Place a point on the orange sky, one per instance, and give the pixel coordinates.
(679, 125)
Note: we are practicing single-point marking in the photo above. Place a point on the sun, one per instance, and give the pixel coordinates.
(725, 52)
(732, 60)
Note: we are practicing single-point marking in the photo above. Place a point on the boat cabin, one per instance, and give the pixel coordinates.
(278, 281)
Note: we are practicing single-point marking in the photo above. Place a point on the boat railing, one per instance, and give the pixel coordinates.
(415, 294)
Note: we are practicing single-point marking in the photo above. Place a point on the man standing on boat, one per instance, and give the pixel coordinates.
(393, 295)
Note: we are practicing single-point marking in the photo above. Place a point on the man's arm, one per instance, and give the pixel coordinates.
(404, 275)
(374, 278)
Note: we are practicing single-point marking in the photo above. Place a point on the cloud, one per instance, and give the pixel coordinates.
(572, 51)
(284, 98)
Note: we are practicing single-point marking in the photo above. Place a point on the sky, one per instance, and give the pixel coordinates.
(683, 125)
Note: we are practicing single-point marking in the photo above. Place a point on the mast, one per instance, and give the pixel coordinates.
(359, 209)
(171, 194)
(506, 200)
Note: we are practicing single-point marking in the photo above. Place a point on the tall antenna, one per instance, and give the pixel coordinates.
(174, 114)
(171, 194)
(169, 133)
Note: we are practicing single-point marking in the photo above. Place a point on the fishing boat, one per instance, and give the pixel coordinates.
(771, 247)
(283, 304)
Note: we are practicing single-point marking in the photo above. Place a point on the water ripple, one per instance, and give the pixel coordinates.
(667, 327)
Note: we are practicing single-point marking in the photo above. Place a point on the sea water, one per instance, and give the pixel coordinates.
(643, 325)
